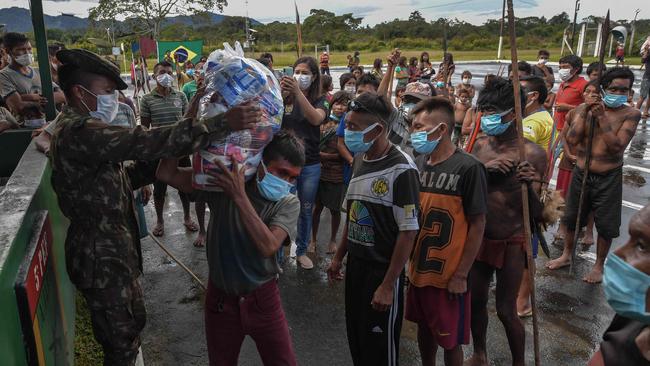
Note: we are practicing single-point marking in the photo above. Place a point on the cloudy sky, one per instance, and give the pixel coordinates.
(376, 11)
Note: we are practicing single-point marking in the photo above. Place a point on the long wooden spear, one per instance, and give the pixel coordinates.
(590, 140)
(524, 186)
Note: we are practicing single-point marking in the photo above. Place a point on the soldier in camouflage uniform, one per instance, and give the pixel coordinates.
(94, 190)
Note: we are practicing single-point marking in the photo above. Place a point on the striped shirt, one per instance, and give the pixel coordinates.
(163, 110)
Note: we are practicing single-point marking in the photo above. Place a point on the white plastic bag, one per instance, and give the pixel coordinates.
(236, 80)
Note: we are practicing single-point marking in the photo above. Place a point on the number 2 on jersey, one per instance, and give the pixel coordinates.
(435, 235)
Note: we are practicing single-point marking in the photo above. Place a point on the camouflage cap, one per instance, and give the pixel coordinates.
(92, 63)
(418, 90)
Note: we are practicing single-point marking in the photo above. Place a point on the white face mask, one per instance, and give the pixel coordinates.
(35, 123)
(165, 80)
(542, 61)
(466, 81)
(350, 89)
(24, 60)
(107, 105)
(565, 74)
(304, 81)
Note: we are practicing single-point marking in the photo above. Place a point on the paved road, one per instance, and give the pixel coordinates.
(573, 315)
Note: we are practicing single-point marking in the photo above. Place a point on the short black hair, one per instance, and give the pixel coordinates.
(368, 79)
(13, 39)
(355, 68)
(498, 93)
(595, 66)
(265, 61)
(325, 82)
(377, 63)
(543, 53)
(574, 61)
(617, 73)
(285, 145)
(344, 78)
(522, 66)
(161, 64)
(267, 55)
(537, 84)
(376, 105)
(441, 104)
(341, 97)
(466, 72)
(54, 48)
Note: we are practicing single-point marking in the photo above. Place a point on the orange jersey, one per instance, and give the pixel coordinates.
(449, 192)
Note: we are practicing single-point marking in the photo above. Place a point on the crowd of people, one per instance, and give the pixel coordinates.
(428, 187)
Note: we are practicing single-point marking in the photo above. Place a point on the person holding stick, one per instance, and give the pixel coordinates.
(503, 244)
(614, 126)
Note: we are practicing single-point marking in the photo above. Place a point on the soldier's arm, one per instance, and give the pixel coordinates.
(617, 141)
(99, 141)
(141, 173)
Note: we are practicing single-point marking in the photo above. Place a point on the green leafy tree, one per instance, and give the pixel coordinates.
(149, 15)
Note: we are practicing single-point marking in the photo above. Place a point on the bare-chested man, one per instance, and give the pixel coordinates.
(615, 125)
(503, 241)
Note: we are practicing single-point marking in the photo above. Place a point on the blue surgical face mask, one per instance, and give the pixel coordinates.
(354, 139)
(614, 100)
(190, 72)
(273, 188)
(420, 141)
(492, 125)
(440, 84)
(626, 288)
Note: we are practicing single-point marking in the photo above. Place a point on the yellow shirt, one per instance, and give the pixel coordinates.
(538, 128)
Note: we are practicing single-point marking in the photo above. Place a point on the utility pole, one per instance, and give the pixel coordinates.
(38, 22)
(575, 19)
(247, 44)
(636, 13)
(503, 16)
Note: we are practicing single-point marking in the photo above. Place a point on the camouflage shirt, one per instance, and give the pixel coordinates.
(95, 189)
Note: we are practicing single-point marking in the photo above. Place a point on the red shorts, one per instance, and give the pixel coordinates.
(563, 181)
(448, 319)
(493, 252)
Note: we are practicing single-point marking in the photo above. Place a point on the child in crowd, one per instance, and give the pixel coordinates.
(462, 105)
(399, 91)
(327, 87)
(550, 98)
(331, 187)
(414, 72)
(466, 83)
(402, 73)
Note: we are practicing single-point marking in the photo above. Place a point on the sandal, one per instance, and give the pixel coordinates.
(191, 226)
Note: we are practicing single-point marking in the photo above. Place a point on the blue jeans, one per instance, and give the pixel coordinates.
(307, 188)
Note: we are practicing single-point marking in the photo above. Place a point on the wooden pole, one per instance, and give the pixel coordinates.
(524, 186)
(177, 261)
(590, 140)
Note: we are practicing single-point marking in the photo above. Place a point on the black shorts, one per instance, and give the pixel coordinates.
(603, 196)
(330, 195)
(160, 188)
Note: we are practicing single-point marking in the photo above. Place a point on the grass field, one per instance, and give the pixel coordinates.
(282, 59)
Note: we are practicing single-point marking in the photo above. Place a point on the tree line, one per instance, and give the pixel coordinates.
(345, 32)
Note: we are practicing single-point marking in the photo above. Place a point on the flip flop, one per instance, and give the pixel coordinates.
(191, 226)
(158, 230)
(526, 314)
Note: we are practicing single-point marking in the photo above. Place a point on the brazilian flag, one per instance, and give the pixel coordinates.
(180, 51)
